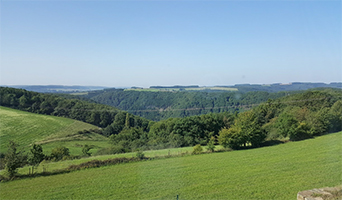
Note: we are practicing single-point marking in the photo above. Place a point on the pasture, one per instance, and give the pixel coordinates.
(28, 128)
(276, 172)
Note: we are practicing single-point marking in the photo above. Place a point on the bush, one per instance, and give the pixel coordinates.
(59, 153)
(112, 150)
(197, 149)
(211, 144)
(86, 149)
(229, 138)
(140, 155)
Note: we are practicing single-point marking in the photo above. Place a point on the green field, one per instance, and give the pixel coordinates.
(178, 89)
(276, 172)
(27, 128)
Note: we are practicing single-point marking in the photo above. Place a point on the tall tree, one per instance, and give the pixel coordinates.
(14, 159)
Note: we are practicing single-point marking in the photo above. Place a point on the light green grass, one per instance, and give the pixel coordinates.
(28, 128)
(178, 89)
(212, 88)
(79, 93)
(276, 172)
(152, 89)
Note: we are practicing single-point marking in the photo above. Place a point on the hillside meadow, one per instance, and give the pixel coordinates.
(276, 172)
(52, 166)
(28, 128)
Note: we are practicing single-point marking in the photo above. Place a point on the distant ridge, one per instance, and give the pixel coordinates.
(57, 88)
(279, 87)
(245, 87)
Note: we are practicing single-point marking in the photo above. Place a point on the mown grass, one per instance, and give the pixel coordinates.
(276, 172)
(28, 128)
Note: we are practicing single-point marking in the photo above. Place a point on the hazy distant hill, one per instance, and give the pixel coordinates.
(277, 87)
(57, 88)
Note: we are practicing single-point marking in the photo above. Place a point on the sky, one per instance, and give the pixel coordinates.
(145, 43)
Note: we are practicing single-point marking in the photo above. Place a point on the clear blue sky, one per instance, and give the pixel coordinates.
(144, 43)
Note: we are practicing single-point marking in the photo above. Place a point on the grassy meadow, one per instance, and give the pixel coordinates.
(276, 172)
(28, 128)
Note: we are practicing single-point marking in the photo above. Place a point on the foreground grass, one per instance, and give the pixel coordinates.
(28, 128)
(276, 172)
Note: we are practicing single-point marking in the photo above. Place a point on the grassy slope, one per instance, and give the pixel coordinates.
(27, 128)
(277, 172)
(51, 166)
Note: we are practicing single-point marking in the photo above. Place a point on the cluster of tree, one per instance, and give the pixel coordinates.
(14, 158)
(158, 106)
(173, 132)
(49, 104)
(296, 117)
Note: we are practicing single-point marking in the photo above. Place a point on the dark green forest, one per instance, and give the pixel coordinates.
(158, 106)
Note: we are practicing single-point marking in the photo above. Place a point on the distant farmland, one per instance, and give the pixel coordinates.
(182, 89)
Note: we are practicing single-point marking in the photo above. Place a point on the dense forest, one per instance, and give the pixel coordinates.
(158, 106)
(295, 117)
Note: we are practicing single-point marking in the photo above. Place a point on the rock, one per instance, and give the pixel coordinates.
(334, 193)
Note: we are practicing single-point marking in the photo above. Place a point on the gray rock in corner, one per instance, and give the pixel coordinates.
(333, 193)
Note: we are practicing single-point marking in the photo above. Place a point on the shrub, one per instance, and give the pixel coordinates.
(86, 149)
(59, 153)
(140, 155)
(211, 144)
(197, 149)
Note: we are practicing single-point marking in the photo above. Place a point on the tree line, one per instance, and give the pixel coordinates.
(49, 104)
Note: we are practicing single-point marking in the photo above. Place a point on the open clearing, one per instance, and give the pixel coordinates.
(28, 128)
(181, 89)
(276, 172)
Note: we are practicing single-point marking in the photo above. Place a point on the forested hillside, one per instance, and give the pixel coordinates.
(295, 117)
(163, 105)
(48, 104)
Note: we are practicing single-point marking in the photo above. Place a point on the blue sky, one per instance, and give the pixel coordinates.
(144, 43)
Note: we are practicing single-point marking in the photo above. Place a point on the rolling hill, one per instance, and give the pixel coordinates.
(276, 172)
(28, 128)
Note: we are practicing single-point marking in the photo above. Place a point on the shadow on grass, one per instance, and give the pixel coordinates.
(264, 144)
